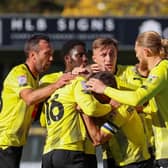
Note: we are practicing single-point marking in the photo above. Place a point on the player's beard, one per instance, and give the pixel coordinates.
(143, 68)
(143, 65)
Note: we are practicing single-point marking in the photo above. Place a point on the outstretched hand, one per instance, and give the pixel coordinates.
(95, 85)
(65, 79)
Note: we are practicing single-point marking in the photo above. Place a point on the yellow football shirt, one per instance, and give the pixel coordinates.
(50, 78)
(16, 116)
(156, 85)
(44, 81)
(128, 145)
(131, 77)
(65, 128)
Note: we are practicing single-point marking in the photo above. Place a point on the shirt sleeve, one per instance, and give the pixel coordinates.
(155, 82)
(123, 84)
(18, 80)
(50, 78)
(88, 103)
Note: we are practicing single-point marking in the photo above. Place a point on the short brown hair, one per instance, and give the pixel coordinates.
(104, 42)
(33, 41)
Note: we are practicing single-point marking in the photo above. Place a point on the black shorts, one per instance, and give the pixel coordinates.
(161, 163)
(10, 157)
(91, 161)
(109, 163)
(64, 159)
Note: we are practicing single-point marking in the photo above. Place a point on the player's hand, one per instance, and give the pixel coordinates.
(80, 70)
(65, 79)
(95, 85)
(95, 68)
(139, 109)
(114, 104)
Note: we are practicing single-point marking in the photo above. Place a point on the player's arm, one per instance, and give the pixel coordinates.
(92, 129)
(152, 86)
(102, 133)
(124, 85)
(115, 122)
(33, 96)
(98, 135)
(87, 102)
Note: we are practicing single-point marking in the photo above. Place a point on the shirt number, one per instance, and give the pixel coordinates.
(51, 107)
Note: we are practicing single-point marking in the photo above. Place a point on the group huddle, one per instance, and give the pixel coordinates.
(123, 108)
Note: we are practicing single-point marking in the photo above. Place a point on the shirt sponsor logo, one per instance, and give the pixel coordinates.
(22, 80)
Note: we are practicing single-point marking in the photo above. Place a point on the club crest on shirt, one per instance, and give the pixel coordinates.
(152, 78)
(22, 80)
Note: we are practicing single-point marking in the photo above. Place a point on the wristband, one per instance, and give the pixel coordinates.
(110, 127)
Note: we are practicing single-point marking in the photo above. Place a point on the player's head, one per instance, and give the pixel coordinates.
(74, 54)
(108, 79)
(39, 53)
(32, 44)
(105, 52)
(149, 45)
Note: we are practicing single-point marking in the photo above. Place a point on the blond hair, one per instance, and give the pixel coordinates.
(154, 42)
